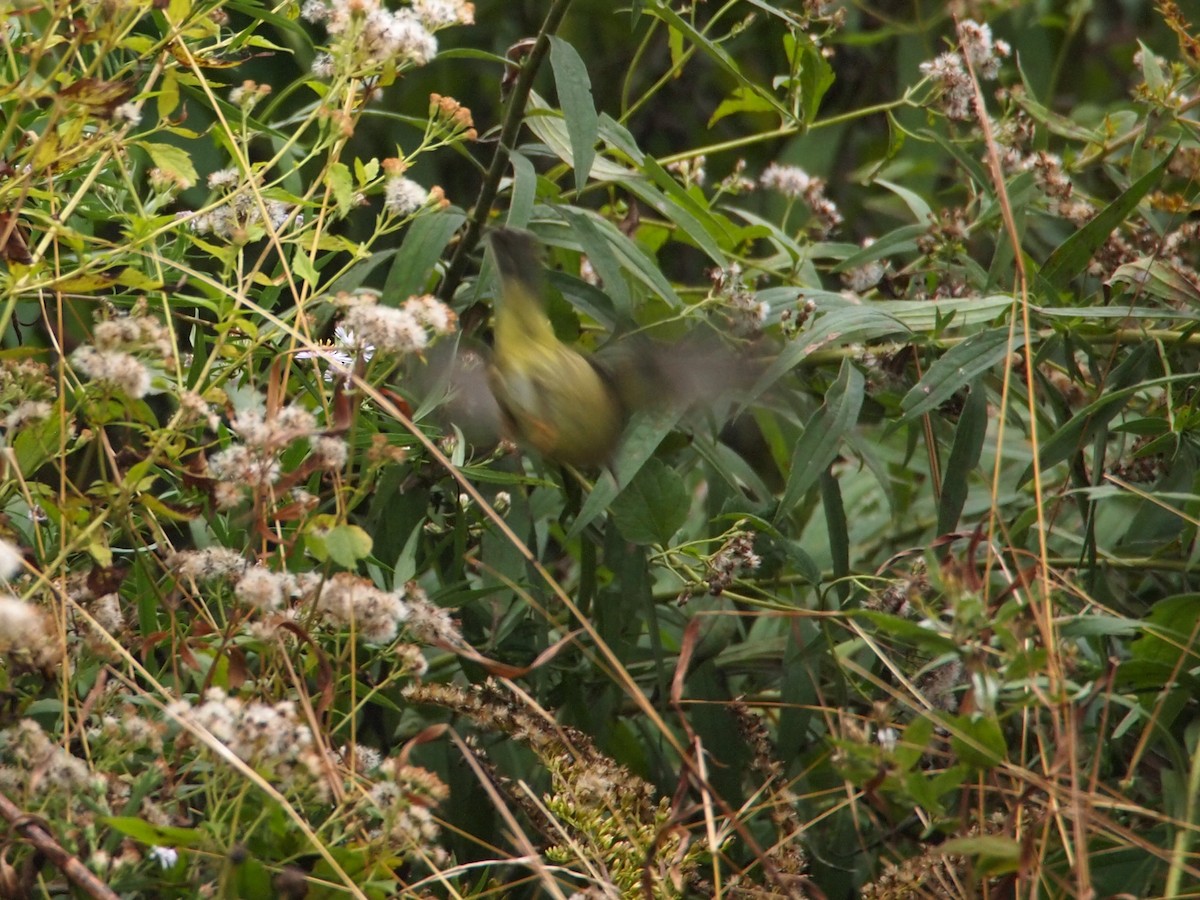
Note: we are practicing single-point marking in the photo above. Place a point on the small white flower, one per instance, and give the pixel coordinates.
(403, 196)
(10, 560)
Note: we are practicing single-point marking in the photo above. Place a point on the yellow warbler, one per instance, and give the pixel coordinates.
(553, 398)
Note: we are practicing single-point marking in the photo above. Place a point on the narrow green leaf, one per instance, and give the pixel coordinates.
(1158, 278)
(917, 205)
(668, 199)
(837, 527)
(579, 109)
(600, 255)
(964, 457)
(156, 835)
(924, 316)
(423, 245)
(1073, 254)
(837, 327)
(524, 190)
(898, 240)
(959, 366)
(547, 123)
(822, 435)
(630, 258)
(405, 568)
(1083, 426)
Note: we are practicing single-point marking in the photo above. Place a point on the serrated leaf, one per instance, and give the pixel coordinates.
(171, 159)
(168, 94)
(304, 268)
(341, 185)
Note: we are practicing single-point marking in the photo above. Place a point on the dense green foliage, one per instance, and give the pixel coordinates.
(889, 598)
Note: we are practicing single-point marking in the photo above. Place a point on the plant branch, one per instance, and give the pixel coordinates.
(513, 117)
(40, 837)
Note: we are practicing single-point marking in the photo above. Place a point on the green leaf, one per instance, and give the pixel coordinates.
(549, 126)
(978, 742)
(600, 255)
(993, 854)
(155, 835)
(908, 631)
(1158, 278)
(654, 505)
(579, 110)
(644, 433)
(37, 444)
(959, 366)
(898, 240)
(917, 205)
(171, 159)
(423, 245)
(914, 742)
(819, 443)
(674, 204)
(303, 267)
(816, 75)
(347, 544)
(344, 544)
(1073, 254)
(964, 457)
(168, 94)
(524, 190)
(1081, 428)
(835, 328)
(741, 100)
(341, 185)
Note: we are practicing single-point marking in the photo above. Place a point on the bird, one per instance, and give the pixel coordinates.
(564, 404)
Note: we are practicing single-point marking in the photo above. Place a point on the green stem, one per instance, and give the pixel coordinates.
(782, 131)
